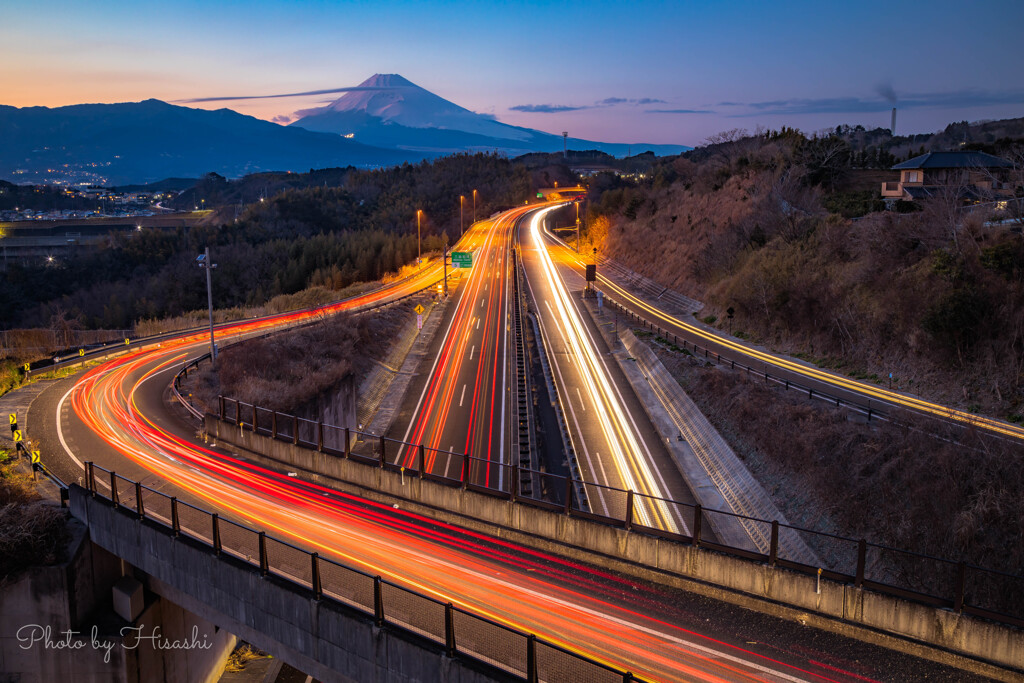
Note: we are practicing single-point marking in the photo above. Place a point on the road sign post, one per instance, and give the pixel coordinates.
(462, 259)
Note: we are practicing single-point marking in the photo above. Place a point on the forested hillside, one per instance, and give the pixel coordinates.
(330, 235)
(934, 296)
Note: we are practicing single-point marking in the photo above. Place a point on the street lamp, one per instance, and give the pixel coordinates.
(462, 223)
(474, 206)
(203, 261)
(419, 243)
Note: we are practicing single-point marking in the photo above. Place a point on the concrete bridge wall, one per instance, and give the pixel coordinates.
(322, 638)
(939, 634)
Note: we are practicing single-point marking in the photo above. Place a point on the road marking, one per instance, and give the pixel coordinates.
(472, 351)
(581, 398)
(478, 323)
(481, 302)
(463, 395)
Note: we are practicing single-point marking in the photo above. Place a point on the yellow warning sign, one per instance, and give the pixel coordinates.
(81, 352)
(418, 309)
(28, 366)
(17, 435)
(14, 418)
(126, 342)
(35, 457)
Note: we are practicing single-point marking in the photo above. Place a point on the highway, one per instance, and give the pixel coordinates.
(614, 442)
(463, 403)
(116, 414)
(868, 396)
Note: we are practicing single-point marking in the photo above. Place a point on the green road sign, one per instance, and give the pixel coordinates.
(462, 259)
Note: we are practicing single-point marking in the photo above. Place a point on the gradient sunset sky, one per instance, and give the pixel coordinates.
(659, 72)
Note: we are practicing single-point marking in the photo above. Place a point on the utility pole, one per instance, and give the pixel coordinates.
(462, 222)
(203, 260)
(444, 258)
(474, 206)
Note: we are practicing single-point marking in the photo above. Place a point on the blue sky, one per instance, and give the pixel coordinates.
(613, 71)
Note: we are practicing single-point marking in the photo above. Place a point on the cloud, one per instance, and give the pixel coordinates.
(227, 98)
(545, 108)
(954, 99)
(283, 119)
(610, 101)
(678, 111)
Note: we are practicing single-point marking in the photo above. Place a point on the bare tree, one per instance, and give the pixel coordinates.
(63, 327)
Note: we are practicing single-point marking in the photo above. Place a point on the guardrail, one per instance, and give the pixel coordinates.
(716, 357)
(922, 578)
(460, 632)
(108, 349)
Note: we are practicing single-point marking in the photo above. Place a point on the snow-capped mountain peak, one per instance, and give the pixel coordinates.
(396, 100)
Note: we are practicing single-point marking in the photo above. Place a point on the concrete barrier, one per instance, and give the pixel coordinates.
(934, 633)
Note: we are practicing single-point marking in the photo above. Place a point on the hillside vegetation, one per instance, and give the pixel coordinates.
(330, 230)
(934, 296)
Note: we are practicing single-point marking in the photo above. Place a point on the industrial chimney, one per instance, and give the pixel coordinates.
(892, 128)
(565, 144)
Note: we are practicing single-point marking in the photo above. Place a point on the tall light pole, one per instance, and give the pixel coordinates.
(462, 223)
(419, 243)
(203, 260)
(474, 206)
(577, 203)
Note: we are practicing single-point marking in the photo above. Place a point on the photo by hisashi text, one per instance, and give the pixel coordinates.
(132, 637)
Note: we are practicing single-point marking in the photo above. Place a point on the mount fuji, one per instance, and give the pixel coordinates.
(389, 111)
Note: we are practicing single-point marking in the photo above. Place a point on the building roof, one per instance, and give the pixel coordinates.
(953, 160)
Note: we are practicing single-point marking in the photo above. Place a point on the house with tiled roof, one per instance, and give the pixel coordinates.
(975, 175)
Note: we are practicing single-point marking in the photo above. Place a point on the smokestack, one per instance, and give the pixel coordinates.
(565, 144)
(892, 128)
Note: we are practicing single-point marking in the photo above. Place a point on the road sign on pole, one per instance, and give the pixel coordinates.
(418, 309)
(462, 259)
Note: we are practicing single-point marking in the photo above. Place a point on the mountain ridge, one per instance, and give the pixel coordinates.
(138, 142)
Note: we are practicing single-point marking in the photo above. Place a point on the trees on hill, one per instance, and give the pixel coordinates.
(310, 234)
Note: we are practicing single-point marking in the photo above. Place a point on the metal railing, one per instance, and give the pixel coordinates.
(919, 577)
(462, 634)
